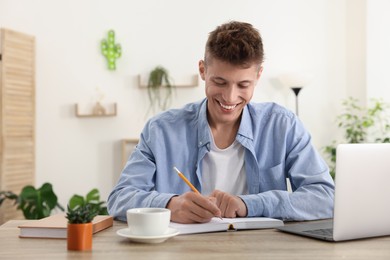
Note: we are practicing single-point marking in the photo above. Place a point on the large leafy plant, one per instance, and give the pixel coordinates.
(35, 203)
(360, 125)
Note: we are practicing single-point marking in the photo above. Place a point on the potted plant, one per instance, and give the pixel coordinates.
(360, 125)
(35, 203)
(160, 89)
(79, 229)
(80, 213)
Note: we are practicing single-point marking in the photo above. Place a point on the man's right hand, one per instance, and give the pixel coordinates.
(192, 207)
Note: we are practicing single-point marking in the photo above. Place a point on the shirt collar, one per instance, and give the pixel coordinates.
(246, 125)
(204, 138)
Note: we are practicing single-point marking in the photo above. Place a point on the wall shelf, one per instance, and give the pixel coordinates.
(194, 83)
(97, 111)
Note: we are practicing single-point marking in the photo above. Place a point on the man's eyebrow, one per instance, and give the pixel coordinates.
(218, 78)
(223, 79)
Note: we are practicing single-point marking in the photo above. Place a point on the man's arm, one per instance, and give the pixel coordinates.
(138, 188)
(312, 186)
(136, 185)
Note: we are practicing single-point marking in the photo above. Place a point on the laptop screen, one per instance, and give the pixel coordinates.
(362, 191)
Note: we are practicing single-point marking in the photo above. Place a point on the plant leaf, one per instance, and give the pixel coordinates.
(93, 196)
(76, 200)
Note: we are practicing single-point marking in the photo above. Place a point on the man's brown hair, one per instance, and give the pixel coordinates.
(238, 43)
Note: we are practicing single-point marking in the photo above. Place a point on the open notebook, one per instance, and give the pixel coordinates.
(362, 207)
(227, 224)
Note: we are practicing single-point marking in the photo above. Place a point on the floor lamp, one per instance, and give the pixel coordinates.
(296, 91)
(294, 81)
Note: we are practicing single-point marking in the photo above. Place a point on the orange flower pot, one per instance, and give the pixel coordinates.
(79, 236)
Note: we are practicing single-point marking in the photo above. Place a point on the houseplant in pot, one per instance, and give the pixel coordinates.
(160, 89)
(80, 230)
(360, 124)
(80, 213)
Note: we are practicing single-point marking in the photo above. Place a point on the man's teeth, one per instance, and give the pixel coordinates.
(227, 107)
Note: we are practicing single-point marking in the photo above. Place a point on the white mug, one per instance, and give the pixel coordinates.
(148, 221)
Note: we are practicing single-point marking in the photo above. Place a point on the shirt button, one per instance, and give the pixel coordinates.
(200, 143)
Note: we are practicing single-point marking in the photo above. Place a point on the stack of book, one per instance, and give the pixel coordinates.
(55, 226)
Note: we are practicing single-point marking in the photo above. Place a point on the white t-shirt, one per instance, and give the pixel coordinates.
(224, 170)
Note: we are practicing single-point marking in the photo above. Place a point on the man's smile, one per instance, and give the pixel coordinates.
(227, 107)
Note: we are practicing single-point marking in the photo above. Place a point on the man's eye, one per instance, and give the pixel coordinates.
(244, 85)
(219, 83)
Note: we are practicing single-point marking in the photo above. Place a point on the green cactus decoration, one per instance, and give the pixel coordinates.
(111, 50)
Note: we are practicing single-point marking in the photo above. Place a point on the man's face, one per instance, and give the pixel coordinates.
(228, 89)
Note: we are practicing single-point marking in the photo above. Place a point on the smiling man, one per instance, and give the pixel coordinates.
(237, 153)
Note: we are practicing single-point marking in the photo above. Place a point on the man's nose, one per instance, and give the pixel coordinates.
(230, 93)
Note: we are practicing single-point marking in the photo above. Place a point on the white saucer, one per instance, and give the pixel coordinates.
(125, 232)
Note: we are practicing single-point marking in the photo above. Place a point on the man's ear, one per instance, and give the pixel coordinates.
(202, 69)
(259, 73)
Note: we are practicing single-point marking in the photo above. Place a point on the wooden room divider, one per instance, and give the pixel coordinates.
(17, 116)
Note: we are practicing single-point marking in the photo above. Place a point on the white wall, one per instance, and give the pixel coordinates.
(378, 49)
(76, 155)
(356, 51)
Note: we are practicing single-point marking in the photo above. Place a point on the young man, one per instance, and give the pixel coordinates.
(236, 153)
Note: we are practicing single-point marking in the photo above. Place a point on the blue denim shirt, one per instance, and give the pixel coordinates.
(276, 147)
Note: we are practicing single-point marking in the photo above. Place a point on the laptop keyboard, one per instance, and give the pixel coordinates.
(326, 232)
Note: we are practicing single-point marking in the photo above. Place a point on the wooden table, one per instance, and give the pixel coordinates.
(252, 244)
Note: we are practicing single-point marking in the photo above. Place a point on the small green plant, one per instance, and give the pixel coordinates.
(35, 203)
(83, 209)
(158, 83)
(361, 125)
(81, 214)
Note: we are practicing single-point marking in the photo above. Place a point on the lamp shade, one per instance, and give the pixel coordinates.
(292, 80)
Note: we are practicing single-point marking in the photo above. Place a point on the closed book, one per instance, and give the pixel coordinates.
(227, 224)
(55, 226)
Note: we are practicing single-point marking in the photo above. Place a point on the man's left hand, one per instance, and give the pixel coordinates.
(231, 206)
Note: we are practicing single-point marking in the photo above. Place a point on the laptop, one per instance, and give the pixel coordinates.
(362, 196)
